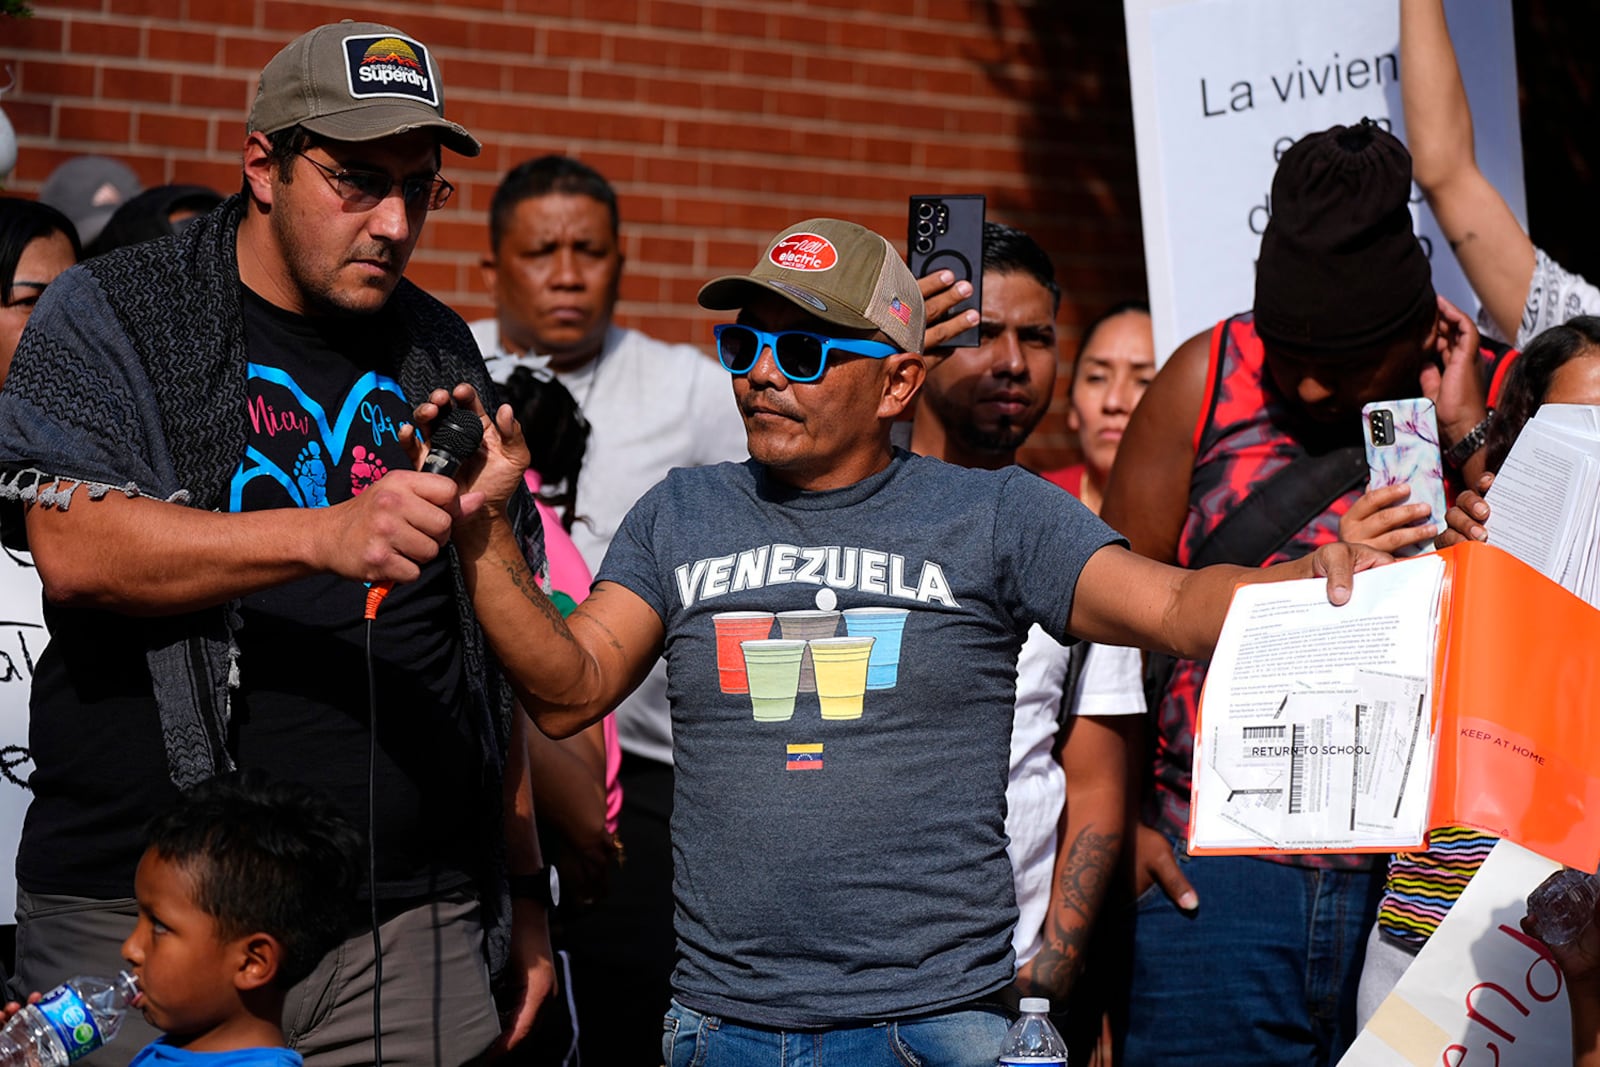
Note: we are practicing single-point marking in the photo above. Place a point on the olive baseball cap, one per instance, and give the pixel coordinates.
(840, 272)
(356, 81)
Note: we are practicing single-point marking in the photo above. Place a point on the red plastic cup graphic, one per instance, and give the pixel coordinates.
(732, 628)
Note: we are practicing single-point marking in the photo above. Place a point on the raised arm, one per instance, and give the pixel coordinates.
(1493, 250)
(567, 673)
(139, 556)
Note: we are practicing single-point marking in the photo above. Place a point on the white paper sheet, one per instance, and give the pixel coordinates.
(1316, 723)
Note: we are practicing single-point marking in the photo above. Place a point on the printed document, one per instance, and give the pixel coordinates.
(1316, 728)
(1543, 508)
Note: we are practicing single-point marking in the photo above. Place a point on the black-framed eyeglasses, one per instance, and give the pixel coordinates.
(366, 189)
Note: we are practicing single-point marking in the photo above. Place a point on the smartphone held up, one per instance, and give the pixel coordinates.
(946, 233)
(1402, 442)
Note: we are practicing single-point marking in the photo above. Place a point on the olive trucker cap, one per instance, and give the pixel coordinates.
(836, 270)
(356, 81)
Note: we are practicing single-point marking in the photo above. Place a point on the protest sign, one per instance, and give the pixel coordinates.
(1221, 88)
(22, 639)
(1480, 991)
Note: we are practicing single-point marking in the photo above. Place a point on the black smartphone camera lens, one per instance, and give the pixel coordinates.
(1382, 427)
(924, 210)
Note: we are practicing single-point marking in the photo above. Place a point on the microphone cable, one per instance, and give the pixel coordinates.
(458, 435)
(372, 844)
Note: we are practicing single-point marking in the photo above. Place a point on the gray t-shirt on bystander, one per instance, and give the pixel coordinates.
(838, 821)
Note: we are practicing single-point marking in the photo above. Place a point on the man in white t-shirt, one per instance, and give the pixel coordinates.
(554, 269)
(977, 407)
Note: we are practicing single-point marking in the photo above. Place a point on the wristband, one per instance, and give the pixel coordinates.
(544, 886)
(1464, 449)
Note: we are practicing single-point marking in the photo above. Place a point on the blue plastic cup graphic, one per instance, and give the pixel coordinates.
(886, 626)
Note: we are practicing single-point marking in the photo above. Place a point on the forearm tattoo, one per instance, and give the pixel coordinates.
(1078, 892)
(524, 582)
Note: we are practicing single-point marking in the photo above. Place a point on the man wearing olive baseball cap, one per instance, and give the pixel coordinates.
(841, 621)
(246, 387)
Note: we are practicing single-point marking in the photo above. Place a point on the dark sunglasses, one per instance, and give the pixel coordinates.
(366, 189)
(800, 356)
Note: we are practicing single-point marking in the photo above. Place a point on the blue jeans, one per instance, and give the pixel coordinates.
(1264, 973)
(955, 1039)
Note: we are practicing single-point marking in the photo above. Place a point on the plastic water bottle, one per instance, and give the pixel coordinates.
(1032, 1039)
(71, 1021)
(1562, 905)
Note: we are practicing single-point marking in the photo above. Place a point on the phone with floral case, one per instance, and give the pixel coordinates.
(1402, 440)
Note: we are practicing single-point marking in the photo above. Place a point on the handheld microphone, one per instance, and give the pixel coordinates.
(455, 439)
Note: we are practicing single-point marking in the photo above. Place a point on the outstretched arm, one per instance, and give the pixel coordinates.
(1493, 250)
(1125, 599)
(567, 673)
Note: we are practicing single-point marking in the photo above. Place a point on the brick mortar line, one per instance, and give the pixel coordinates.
(851, 17)
(862, 95)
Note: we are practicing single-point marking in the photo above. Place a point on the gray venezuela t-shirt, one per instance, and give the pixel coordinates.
(841, 668)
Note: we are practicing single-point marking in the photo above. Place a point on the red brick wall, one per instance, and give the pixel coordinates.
(719, 122)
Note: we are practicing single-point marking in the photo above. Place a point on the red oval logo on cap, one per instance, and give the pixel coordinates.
(804, 251)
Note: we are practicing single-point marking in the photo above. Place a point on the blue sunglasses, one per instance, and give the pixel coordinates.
(800, 356)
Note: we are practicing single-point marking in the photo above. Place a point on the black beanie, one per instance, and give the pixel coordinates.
(1340, 268)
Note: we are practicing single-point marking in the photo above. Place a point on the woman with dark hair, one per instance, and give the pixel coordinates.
(36, 244)
(1116, 362)
(1560, 366)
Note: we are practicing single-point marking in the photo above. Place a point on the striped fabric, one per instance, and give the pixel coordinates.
(1423, 885)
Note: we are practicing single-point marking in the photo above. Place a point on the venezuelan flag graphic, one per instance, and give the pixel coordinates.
(804, 757)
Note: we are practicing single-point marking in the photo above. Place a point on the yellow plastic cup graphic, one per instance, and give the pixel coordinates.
(807, 626)
(773, 670)
(841, 667)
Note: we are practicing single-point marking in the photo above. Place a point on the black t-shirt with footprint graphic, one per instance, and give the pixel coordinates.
(324, 417)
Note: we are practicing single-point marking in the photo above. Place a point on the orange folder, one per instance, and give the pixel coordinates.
(1517, 701)
(1516, 706)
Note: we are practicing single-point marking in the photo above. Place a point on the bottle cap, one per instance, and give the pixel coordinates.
(1036, 1005)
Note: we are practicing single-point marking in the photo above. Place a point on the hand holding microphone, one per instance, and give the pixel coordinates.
(455, 439)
